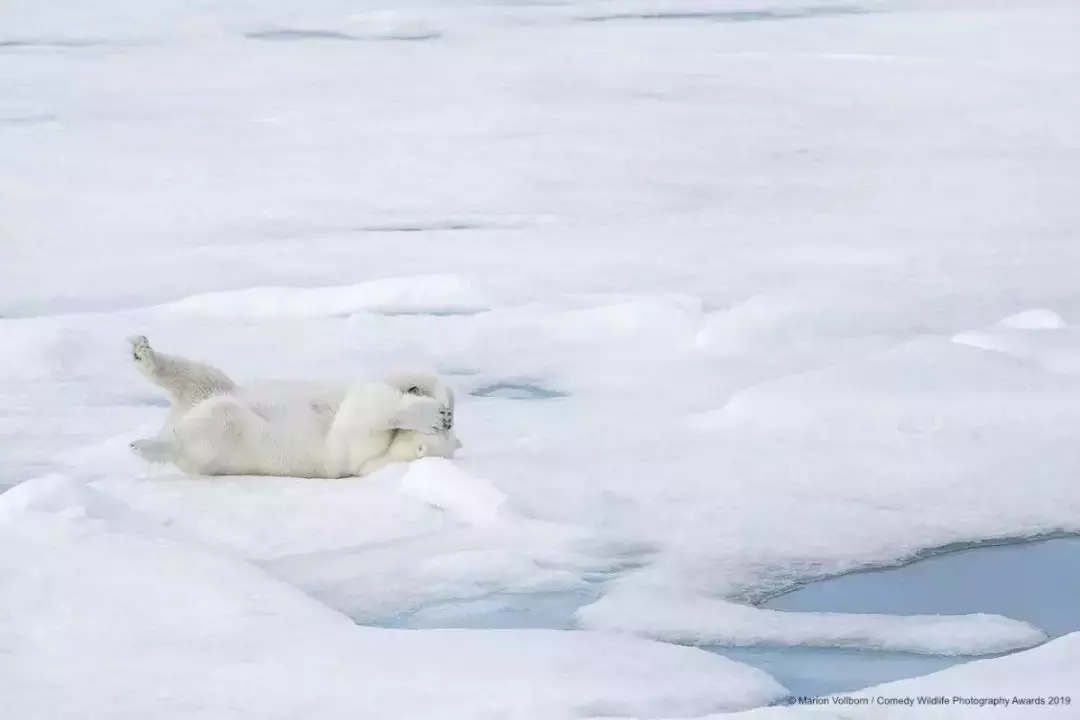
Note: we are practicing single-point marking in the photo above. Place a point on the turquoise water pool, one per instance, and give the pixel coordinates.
(1036, 581)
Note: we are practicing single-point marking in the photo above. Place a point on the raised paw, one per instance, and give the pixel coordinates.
(140, 348)
(422, 414)
(446, 418)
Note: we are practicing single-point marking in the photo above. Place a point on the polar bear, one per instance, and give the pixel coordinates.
(216, 427)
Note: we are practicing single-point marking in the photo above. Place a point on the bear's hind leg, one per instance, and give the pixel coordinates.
(153, 450)
(187, 382)
(220, 436)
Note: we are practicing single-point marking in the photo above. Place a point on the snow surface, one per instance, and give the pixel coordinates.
(433, 295)
(736, 295)
(118, 616)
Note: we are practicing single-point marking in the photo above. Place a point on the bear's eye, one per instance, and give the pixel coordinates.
(414, 390)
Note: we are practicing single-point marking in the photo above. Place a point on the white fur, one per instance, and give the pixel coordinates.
(216, 427)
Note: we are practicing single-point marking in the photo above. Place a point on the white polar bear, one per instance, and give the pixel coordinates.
(216, 427)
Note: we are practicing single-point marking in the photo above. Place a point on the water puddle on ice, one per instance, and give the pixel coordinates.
(730, 16)
(517, 391)
(433, 312)
(299, 35)
(1037, 582)
(499, 611)
(813, 672)
(50, 43)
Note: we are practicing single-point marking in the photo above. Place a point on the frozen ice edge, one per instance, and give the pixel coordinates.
(698, 621)
(764, 596)
(695, 620)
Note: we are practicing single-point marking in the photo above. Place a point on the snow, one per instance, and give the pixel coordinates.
(443, 294)
(462, 497)
(735, 296)
(1033, 338)
(1038, 319)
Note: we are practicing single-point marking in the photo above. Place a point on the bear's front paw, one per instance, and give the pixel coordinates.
(423, 415)
(446, 417)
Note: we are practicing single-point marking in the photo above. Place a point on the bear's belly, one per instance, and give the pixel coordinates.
(293, 439)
